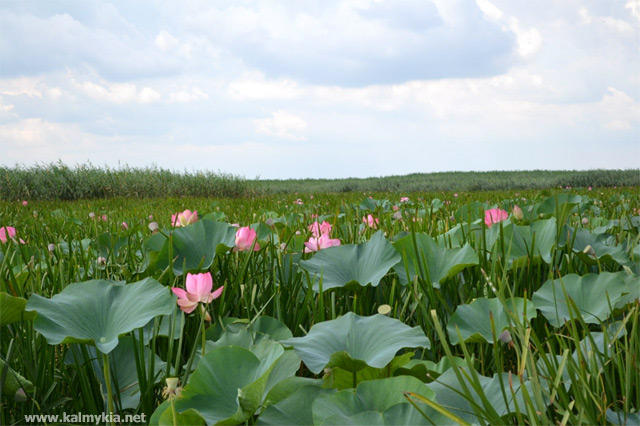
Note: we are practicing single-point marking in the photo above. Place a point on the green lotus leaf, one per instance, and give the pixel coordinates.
(339, 378)
(473, 321)
(595, 296)
(294, 408)
(192, 247)
(558, 203)
(591, 247)
(229, 384)
(530, 242)
(360, 264)
(374, 402)
(352, 342)
(13, 380)
(98, 311)
(428, 370)
(163, 416)
(122, 369)
(623, 419)
(440, 262)
(12, 309)
(451, 395)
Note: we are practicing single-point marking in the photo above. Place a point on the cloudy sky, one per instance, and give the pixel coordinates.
(323, 88)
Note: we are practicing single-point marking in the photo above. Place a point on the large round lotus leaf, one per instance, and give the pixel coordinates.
(163, 416)
(352, 342)
(372, 403)
(361, 264)
(439, 262)
(13, 309)
(623, 419)
(261, 327)
(98, 311)
(521, 243)
(194, 246)
(426, 370)
(558, 203)
(228, 385)
(451, 395)
(593, 248)
(594, 295)
(337, 378)
(124, 373)
(296, 396)
(473, 321)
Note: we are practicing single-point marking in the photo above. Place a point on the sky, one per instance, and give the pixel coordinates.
(326, 88)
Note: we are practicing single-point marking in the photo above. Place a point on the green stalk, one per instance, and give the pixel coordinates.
(107, 379)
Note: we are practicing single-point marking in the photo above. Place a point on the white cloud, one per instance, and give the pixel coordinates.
(634, 8)
(256, 87)
(282, 125)
(188, 95)
(119, 92)
(489, 10)
(165, 41)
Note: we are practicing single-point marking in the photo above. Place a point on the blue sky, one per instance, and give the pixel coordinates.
(322, 88)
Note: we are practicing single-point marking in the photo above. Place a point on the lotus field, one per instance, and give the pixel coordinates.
(355, 308)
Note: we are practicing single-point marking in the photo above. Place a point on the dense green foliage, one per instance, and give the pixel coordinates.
(59, 182)
(427, 315)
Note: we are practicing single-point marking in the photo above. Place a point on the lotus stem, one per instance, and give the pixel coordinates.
(107, 379)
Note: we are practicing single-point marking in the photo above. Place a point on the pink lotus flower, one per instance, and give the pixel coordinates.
(7, 233)
(124, 226)
(245, 237)
(184, 218)
(370, 221)
(492, 216)
(319, 243)
(455, 195)
(404, 199)
(198, 291)
(298, 202)
(104, 217)
(25, 203)
(395, 208)
(317, 229)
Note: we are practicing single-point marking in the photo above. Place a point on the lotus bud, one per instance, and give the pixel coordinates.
(505, 337)
(517, 213)
(20, 396)
(92, 215)
(585, 220)
(153, 227)
(25, 203)
(124, 225)
(589, 250)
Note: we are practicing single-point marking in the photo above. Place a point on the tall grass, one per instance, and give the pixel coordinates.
(60, 182)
